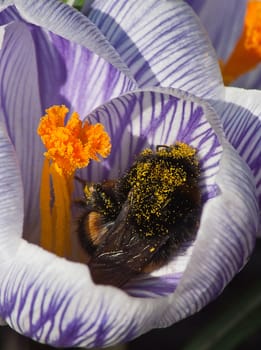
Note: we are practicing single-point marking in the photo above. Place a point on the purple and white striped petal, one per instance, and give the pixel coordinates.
(90, 81)
(162, 43)
(11, 203)
(54, 301)
(19, 111)
(69, 23)
(241, 117)
(39, 69)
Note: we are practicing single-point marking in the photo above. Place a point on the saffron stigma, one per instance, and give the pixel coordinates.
(68, 148)
(247, 52)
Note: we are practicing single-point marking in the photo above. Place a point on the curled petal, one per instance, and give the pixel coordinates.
(20, 106)
(162, 43)
(54, 301)
(69, 23)
(241, 118)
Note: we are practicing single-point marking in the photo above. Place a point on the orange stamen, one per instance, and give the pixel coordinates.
(68, 147)
(247, 52)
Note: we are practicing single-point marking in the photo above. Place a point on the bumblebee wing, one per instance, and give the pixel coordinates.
(122, 254)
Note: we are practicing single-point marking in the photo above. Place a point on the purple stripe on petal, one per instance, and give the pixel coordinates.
(102, 332)
(240, 115)
(130, 333)
(149, 287)
(161, 42)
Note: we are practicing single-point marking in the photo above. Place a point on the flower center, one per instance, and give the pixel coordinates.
(68, 147)
(247, 52)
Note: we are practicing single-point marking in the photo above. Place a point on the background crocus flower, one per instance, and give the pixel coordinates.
(51, 299)
(225, 24)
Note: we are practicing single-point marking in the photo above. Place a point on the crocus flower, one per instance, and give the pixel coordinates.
(239, 109)
(52, 54)
(234, 29)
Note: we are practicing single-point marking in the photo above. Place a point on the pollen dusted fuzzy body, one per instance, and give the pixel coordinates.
(136, 223)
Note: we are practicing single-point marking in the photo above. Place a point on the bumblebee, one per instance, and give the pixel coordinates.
(136, 223)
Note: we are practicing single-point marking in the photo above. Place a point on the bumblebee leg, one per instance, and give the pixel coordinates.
(79, 202)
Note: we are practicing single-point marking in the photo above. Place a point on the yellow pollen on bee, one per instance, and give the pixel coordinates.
(68, 147)
(247, 52)
(153, 181)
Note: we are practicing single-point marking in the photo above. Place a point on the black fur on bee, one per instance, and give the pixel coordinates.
(136, 223)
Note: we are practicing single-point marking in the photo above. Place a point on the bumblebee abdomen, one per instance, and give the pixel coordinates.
(162, 188)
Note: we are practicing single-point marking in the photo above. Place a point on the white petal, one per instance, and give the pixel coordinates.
(11, 199)
(241, 117)
(162, 42)
(54, 301)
